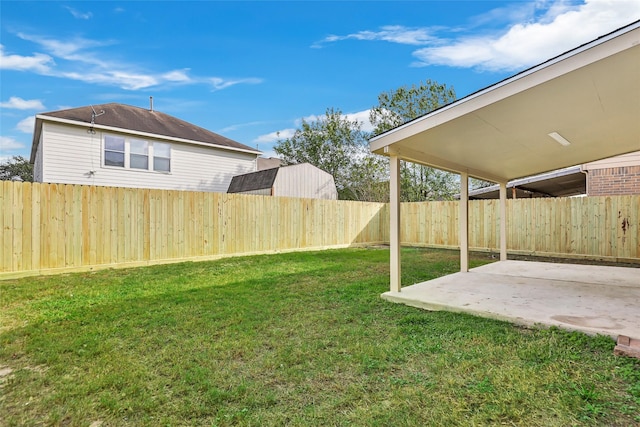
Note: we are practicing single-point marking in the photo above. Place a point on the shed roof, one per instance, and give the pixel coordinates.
(129, 118)
(589, 95)
(253, 181)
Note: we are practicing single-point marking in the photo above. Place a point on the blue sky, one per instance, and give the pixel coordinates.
(252, 70)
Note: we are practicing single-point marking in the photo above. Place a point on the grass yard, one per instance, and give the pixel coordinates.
(297, 339)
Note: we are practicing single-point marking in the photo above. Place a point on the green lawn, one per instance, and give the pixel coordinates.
(293, 339)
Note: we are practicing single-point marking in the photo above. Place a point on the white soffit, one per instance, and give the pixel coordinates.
(590, 96)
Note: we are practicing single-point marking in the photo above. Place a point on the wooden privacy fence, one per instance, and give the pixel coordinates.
(605, 227)
(53, 227)
(50, 228)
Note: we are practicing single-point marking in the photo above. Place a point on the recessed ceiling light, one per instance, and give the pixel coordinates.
(559, 139)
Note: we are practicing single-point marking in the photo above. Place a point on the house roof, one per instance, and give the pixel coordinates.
(268, 163)
(562, 183)
(588, 95)
(253, 181)
(120, 117)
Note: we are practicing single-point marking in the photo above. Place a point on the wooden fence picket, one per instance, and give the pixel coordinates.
(49, 228)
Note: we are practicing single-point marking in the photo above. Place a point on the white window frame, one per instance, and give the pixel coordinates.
(113, 150)
(153, 156)
(127, 154)
(138, 155)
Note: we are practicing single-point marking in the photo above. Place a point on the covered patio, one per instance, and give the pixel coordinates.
(578, 107)
(588, 298)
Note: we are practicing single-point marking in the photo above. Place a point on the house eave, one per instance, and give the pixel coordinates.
(41, 118)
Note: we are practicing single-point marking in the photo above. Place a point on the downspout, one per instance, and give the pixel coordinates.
(586, 178)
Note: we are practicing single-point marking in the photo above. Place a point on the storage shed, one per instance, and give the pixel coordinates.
(303, 180)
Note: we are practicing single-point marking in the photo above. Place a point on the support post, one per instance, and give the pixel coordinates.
(503, 221)
(394, 216)
(464, 222)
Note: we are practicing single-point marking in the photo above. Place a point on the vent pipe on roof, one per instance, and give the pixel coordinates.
(151, 103)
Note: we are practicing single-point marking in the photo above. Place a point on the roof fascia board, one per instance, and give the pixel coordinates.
(533, 179)
(446, 165)
(587, 54)
(145, 134)
(37, 130)
(545, 176)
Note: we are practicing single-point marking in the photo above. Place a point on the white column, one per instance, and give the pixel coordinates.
(503, 221)
(464, 222)
(394, 235)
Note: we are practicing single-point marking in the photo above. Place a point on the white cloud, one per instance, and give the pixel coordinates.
(77, 14)
(76, 49)
(560, 29)
(39, 62)
(26, 125)
(240, 126)
(275, 136)
(389, 33)
(5, 159)
(81, 59)
(8, 144)
(17, 103)
(220, 83)
(308, 119)
(363, 118)
(177, 76)
(360, 116)
(122, 79)
(532, 33)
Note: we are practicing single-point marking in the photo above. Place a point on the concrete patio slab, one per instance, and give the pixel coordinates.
(587, 298)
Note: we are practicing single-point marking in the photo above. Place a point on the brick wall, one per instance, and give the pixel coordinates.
(614, 181)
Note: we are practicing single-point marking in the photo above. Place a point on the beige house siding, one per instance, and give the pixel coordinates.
(68, 154)
(630, 159)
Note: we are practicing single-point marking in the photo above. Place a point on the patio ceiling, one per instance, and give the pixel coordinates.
(590, 96)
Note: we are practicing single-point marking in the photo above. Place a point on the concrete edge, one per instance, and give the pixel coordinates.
(396, 297)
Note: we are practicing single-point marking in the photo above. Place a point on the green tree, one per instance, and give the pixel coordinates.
(369, 178)
(16, 168)
(399, 106)
(476, 184)
(417, 182)
(338, 146)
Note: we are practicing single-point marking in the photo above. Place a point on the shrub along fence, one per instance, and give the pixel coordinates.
(49, 228)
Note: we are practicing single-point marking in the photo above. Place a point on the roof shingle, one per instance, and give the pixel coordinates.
(127, 117)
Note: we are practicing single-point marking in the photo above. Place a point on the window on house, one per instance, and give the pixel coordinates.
(139, 154)
(131, 153)
(114, 151)
(161, 157)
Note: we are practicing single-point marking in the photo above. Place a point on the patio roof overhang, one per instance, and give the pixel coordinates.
(588, 98)
(589, 95)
